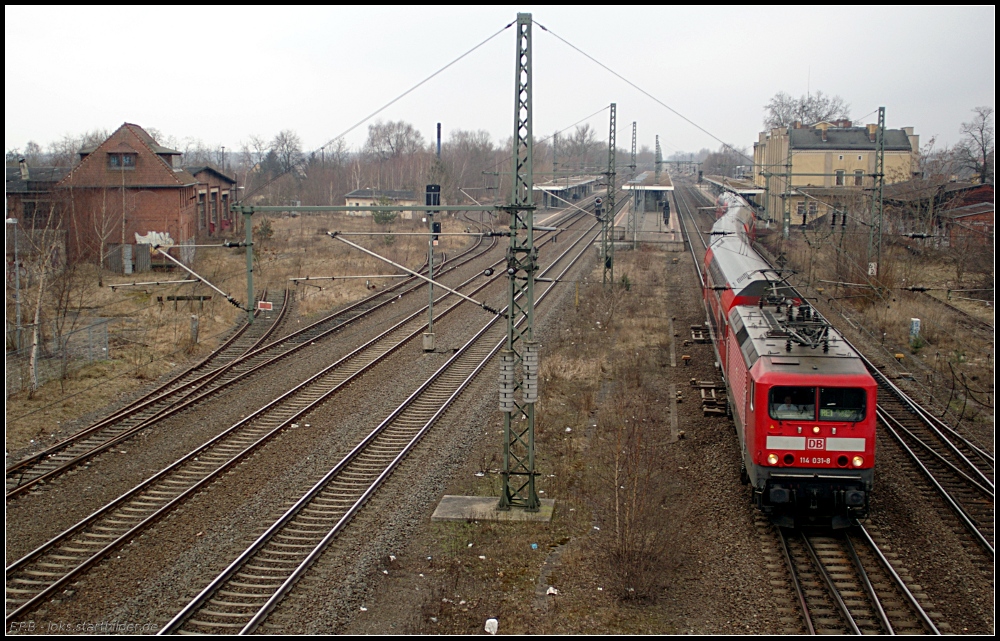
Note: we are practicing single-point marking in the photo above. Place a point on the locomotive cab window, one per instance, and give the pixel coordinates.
(792, 403)
(841, 404)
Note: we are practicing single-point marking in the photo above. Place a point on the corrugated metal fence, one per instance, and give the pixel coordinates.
(131, 259)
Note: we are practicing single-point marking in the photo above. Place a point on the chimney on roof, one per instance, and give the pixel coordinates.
(23, 166)
(822, 134)
(871, 132)
(797, 124)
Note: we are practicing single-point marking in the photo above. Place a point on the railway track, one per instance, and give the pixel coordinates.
(965, 317)
(842, 583)
(114, 428)
(244, 594)
(41, 573)
(960, 472)
(239, 356)
(230, 363)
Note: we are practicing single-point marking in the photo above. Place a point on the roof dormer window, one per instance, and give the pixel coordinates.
(121, 161)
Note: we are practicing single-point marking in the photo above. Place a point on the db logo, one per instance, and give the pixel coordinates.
(815, 444)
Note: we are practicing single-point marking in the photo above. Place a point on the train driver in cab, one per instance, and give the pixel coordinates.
(789, 410)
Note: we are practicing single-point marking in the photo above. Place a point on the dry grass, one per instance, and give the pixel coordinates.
(946, 343)
(149, 336)
(593, 371)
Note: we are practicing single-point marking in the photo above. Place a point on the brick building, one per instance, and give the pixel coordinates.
(215, 191)
(969, 224)
(30, 202)
(29, 193)
(946, 209)
(127, 185)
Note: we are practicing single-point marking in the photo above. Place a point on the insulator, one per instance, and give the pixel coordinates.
(530, 372)
(788, 345)
(507, 381)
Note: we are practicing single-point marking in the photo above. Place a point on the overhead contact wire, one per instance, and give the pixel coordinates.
(640, 89)
(388, 104)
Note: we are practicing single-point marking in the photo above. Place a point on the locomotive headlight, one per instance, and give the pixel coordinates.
(858, 461)
(772, 459)
(815, 429)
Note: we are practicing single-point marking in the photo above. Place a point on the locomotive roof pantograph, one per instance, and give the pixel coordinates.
(804, 346)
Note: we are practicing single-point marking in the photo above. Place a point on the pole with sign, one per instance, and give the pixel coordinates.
(432, 199)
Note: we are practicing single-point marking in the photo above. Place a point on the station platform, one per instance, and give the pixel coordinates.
(650, 227)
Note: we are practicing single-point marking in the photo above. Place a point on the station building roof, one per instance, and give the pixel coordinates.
(847, 139)
(390, 194)
(647, 181)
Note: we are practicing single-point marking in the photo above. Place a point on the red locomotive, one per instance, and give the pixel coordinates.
(801, 398)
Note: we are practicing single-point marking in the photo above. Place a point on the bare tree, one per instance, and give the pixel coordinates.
(465, 156)
(392, 139)
(195, 152)
(45, 248)
(725, 161)
(33, 154)
(582, 148)
(288, 147)
(249, 160)
(337, 153)
(783, 110)
(64, 152)
(976, 150)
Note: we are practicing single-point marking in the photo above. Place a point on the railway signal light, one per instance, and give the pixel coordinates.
(432, 197)
(435, 230)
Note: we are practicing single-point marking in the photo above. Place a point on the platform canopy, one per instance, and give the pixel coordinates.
(647, 181)
(563, 184)
(741, 187)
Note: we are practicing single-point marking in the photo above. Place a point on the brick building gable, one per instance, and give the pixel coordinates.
(150, 170)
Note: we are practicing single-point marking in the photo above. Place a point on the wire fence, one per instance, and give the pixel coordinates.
(57, 357)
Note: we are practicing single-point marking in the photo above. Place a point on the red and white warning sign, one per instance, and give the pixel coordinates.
(264, 305)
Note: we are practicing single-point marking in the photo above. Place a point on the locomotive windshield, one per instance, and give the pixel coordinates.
(841, 404)
(846, 404)
(793, 403)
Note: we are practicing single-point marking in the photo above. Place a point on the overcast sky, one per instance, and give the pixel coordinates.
(221, 75)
